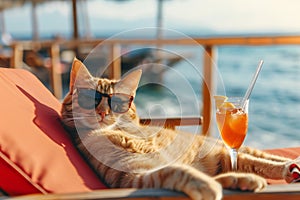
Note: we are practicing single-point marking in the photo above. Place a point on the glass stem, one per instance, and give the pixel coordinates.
(233, 158)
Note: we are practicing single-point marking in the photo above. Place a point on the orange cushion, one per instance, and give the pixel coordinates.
(292, 152)
(36, 153)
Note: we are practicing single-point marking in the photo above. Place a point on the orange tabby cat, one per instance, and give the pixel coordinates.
(100, 115)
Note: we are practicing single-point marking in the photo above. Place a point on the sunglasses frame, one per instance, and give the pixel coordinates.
(109, 96)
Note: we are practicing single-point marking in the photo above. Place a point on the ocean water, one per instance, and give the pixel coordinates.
(275, 101)
(274, 109)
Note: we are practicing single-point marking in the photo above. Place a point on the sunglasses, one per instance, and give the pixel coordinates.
(90, 99)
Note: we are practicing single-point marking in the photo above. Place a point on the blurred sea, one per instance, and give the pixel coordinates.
(274, 110)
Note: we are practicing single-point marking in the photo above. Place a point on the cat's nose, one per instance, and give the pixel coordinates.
(102, 109)
(103, 114)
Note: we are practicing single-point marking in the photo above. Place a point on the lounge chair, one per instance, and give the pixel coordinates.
(38, 159)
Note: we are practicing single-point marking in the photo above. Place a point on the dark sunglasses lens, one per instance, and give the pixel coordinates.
(88, 99)
(120, 103)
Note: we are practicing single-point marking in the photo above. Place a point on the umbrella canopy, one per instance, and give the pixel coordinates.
(6, 4)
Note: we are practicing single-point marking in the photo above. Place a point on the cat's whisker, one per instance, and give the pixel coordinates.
(80, 113)
(84, 114)
(82, 117)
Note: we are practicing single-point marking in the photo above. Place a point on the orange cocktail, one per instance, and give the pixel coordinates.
(232, 124)
(232, 121)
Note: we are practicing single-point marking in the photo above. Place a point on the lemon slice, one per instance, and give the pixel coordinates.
(227, 105)
(219, 100)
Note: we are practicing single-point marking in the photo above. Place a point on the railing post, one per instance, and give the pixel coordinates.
(115, 58)
(17, 56)
(207, 89)
(56, 80)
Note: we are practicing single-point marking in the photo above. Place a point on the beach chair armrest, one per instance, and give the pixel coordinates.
(278, 191)
(172, 122)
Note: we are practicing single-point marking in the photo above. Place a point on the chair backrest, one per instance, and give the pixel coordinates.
(36, 153)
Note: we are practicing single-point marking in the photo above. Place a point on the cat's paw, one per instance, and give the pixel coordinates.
(207, 190)
(242, 181)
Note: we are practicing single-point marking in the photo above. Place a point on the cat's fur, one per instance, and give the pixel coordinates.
(126, 154)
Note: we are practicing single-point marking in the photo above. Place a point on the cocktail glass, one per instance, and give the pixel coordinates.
(232, 121)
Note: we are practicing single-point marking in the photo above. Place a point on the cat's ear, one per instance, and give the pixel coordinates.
(79, 72)
(129, 83)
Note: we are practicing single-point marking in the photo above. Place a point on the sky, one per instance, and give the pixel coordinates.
(198, 17)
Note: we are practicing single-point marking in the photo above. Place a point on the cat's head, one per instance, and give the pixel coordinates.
(94, 102)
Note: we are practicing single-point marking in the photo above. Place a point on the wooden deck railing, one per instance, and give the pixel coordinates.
(208, 57)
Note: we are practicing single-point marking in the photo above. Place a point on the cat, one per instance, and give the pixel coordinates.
(101, 117)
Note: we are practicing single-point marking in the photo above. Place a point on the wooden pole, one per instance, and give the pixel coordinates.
(17, 56)
(207, 89)
(35, 34)
(75, 25)
(159, 23)
(2, 22)
(56, 80)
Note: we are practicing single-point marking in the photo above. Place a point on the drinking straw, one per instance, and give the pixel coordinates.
(251, 86)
